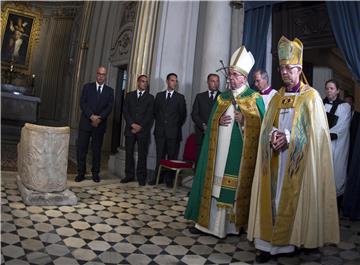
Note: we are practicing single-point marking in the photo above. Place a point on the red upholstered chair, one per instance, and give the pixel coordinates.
(183, 167)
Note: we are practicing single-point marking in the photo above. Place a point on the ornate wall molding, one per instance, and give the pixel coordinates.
(121, 45)
(120, 49)
(129, 13)
(307, 21)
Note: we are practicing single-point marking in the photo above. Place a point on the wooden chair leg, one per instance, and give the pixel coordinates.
(176, 180)
(158, 175)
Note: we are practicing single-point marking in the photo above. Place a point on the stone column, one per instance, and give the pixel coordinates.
(215, 45)
(143, 42)
(237, 25)
(268, 52)
(174, 51)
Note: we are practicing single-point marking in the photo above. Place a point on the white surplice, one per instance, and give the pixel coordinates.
(219, 223)
(340, 146)
(268, 97)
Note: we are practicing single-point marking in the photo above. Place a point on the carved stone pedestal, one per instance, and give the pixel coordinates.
(42, 165)
(31, 197)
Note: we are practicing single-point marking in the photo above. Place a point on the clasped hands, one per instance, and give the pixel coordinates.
(225, 120)
(278, 141)
(95, 120)
(135, 128)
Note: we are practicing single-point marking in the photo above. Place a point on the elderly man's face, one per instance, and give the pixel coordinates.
(236, 79)
(259, 82)
(101, 75)
(290, 74)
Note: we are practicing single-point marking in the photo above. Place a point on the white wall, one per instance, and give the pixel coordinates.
(174, 51)
(320, 76)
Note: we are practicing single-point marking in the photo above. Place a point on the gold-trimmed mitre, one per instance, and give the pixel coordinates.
(290, 52)
(242, 61)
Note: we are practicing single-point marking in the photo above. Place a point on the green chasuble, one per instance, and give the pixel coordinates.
(240, 162)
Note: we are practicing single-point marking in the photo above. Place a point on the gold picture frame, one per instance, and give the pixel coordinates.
(20, 30)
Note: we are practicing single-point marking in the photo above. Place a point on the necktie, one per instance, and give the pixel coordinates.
(168, 96)
(212, 95)
(99, 90)
(140, 94)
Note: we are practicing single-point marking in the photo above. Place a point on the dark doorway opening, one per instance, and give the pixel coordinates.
(310, 22)
(118, 108)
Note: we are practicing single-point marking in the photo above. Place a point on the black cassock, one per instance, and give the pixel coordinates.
(351, 203)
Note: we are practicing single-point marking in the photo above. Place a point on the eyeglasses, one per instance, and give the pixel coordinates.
(102, 74)
(286, 68)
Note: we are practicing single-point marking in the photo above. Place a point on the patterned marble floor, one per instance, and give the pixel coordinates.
(127, 224)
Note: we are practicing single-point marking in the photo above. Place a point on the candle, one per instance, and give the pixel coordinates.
(33, 76)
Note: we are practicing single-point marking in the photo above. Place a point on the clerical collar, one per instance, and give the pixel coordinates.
(266, 91)
(337, 101)
(294, 89)
(238, 91)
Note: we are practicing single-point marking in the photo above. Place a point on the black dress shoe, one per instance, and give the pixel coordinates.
(142, 183)
(126, 180)
(262, 257)
(169, 181)
(96, 178)
(153, 181)
(193, 230)
(169, 184)
(242, 231)
(79, 178)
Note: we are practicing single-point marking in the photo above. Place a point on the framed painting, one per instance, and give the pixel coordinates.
(20, 28)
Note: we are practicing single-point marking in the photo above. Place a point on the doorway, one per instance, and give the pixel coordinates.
(309, 22)
(118, 108)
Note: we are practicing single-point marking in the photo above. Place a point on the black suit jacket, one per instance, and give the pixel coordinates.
(201, 111)
(354, 127)
(91, 103)
(170, 115)
(139, 111)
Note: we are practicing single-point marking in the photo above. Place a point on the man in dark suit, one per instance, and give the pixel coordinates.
(202, 107)
(96, 104)
(138, 114)
(170, 115)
